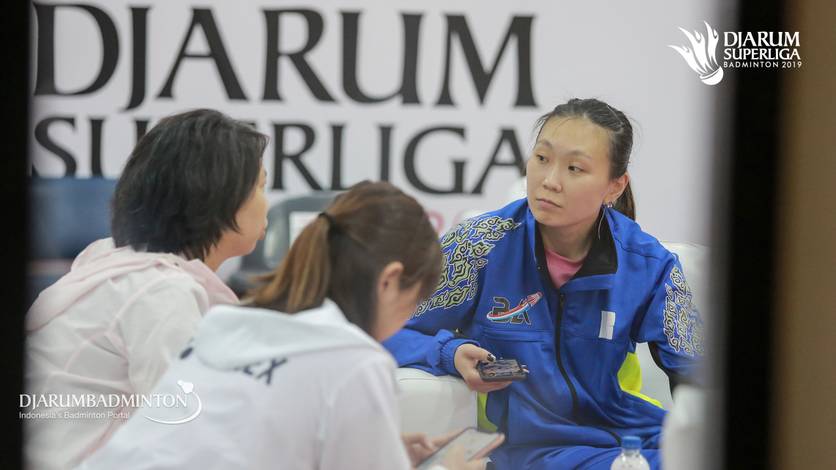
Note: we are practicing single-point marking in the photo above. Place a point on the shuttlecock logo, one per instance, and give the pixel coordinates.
(180, 401)
(701, 56)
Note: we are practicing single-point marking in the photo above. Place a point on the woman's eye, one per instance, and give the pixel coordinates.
(575, 169)
(541, 158)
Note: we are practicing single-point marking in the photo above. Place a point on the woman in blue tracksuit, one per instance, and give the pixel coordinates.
(567, 283)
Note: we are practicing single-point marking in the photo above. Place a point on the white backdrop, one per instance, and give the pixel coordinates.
(615, 51)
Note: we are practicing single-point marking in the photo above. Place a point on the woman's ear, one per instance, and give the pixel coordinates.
(389, 280)
(393, 302)
(617, 187)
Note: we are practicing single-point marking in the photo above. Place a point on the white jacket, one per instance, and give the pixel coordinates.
(278, 391)
(110, 326)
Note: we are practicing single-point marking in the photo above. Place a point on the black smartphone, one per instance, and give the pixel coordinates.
(501, 370)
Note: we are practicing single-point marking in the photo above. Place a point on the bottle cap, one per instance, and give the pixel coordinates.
(631, 442)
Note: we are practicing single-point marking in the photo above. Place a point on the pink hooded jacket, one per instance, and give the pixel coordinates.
(111, 326)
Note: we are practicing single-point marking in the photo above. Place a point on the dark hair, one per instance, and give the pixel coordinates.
(621, 139)
(341, 253)
(184, 183)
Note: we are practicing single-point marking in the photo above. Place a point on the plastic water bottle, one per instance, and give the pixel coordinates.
(631, 457)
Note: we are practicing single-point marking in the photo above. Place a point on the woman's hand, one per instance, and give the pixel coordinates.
(419, 447)
(465, 360)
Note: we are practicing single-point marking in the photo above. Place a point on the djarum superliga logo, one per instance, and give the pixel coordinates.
(701, 56)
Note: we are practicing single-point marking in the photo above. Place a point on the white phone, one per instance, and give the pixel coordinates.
(477, 444)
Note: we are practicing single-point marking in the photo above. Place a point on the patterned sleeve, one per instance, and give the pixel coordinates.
(427, 341)
(673, 326)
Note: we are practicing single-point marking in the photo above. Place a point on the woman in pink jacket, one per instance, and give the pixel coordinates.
(190, 196)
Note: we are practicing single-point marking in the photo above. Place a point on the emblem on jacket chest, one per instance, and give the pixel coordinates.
(503, 313)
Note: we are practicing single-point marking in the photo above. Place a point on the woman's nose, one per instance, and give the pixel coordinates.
(552, 180)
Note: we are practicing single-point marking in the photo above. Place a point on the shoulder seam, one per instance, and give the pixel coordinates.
(646, 255)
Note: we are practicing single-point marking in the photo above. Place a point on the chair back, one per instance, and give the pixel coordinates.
(284, 222)
(65, 215)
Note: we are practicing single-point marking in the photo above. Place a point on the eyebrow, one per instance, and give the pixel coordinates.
(579, 153)
(572, 153)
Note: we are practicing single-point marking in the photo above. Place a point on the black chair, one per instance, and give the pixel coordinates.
(285, 220)
(65, 215)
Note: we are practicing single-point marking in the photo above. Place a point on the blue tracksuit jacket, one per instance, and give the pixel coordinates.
(577, 341)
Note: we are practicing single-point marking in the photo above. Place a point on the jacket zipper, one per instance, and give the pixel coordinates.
(546, 279)
(562, 298)
(557, 334)
(559, 358)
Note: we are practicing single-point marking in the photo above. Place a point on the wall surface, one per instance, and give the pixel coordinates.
(440, 97)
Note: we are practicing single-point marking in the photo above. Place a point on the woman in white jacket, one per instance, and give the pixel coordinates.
(298, 379)
(190, 196)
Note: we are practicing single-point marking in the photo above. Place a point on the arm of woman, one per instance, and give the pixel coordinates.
(672, 326)
(157, 325)
(428, 341)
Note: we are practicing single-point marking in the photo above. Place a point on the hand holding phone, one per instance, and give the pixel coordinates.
(470, 444)
(467, 358)
(501, 370)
